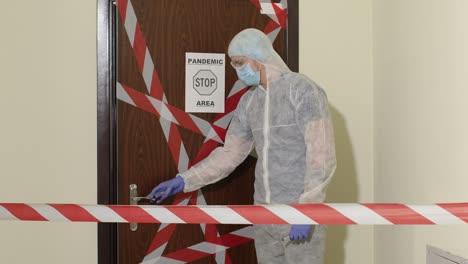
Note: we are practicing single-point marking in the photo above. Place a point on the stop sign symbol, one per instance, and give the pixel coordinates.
(205, 82)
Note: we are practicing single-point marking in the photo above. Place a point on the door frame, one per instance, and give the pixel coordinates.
(106, 112)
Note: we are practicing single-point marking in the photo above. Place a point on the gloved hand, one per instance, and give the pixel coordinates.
(299, 232)
(167, 188)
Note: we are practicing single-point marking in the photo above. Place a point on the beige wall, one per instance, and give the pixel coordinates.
(336, 52)
(421, 128)
(48, 125)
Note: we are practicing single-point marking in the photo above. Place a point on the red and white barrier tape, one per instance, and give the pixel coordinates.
(169, 113)
(151, 79)
(217, 246)
(322, 214)
(276, 11)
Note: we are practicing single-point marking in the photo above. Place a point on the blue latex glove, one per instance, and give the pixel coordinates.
(167, 188)
(299, 232)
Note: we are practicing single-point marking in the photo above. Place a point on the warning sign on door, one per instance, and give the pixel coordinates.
(204, 82)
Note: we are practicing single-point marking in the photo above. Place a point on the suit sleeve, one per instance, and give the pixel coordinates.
(224, 159)
(314, 121)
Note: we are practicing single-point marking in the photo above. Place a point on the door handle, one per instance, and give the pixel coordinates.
(133, 201)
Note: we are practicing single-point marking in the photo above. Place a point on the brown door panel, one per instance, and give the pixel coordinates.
(170, 29)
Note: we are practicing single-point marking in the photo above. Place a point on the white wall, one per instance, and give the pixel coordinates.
(421, 128)
(336, 52)
(48, 125)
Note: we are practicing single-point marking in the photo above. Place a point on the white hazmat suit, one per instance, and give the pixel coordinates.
(289, 124)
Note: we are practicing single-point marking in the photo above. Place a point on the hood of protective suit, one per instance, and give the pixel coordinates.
(254, 44)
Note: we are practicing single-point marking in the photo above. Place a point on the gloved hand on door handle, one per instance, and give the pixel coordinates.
(167, 188)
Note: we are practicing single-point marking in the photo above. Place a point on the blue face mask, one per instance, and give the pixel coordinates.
(248, 76)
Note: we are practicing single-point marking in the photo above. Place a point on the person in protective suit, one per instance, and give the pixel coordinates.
(285, 117)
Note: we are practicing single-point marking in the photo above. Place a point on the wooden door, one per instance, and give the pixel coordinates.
(155, 138)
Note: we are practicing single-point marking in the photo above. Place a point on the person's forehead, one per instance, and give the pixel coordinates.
(239, 58)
